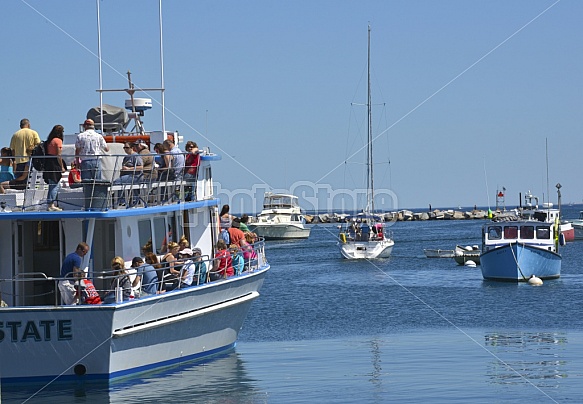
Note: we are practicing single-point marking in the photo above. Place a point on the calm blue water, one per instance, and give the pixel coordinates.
(406, 329)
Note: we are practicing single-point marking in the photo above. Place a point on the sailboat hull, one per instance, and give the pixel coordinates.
(366, 249)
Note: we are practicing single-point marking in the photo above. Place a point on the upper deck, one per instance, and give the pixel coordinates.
(108, 196)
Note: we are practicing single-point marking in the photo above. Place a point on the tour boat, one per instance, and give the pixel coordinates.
(43, 339)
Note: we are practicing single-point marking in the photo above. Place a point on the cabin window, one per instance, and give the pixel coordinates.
(511, 232)
(527, 232)
(494, 233)
(145, 236)
(543, 232)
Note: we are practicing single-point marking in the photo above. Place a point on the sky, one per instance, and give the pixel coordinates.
(469, 97)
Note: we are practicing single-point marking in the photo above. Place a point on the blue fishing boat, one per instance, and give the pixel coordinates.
(515, 250)
(53, 326)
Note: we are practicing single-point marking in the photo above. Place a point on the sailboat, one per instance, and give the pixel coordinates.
(364, 236)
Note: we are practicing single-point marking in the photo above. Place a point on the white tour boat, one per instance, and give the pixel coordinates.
(42, 339)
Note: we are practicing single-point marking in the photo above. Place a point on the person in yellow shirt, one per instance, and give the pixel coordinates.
(22, 143)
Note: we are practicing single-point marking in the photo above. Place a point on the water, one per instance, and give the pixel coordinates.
(406, 329)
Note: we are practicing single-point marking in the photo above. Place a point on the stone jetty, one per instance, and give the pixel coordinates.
(407, 215)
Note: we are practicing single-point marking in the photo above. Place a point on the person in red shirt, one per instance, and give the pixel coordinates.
(235, 234)
(223, 265)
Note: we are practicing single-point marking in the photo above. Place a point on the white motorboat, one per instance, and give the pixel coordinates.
(578, 226)
(43, 339)
(365, 236)
(546, 213)
(281, 218)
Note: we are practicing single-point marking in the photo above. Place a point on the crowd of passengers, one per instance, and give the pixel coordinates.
(167, 163)
(179, 267)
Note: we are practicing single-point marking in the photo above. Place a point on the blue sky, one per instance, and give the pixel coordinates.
(472, 90)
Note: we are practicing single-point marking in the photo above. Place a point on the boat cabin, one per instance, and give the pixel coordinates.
(533, 233)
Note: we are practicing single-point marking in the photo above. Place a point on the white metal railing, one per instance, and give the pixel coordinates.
(20, 290)
(109, 187)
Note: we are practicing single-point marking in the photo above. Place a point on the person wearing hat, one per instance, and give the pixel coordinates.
(149, 169)
(146, 274)
(188, 268)
(89, 146)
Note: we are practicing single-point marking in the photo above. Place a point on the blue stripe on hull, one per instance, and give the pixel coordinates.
(517, 262)
(125, 373)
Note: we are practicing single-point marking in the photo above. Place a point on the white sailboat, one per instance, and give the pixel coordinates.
(365, 236)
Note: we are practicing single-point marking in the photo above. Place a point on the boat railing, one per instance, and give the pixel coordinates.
(109, 186)
(33, 288)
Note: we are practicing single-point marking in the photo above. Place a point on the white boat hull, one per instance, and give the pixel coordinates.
(280, 231)
(366, 249)
(110, 341)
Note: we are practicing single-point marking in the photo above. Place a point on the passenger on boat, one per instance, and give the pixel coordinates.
(236, 236)
(183, 243)
(121, 280)
(200, 267)
(18, 182)
(162, 159)
(172, 268)
(6, 171)
(377, 230)
(152, 259)
(249, 253)
(187, 271)
(74, 176)
(225, 217)
(191, 163)
(354, 230)
(130, 173)
(146, 277)
(89, 146)
(22, 143)
(177, 162)
(54, 166)
(70, 271)
(237, 257)
(222, 267)
(365, 230)
(243, 223)
(149, 169)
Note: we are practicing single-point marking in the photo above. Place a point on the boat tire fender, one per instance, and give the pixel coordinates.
(342, 238)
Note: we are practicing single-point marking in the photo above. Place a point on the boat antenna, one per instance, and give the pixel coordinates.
(162, 73)
(100, 63)
(547, 162)
(370, 178)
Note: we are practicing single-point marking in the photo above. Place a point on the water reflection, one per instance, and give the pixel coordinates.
(222, 379)
(527, 357)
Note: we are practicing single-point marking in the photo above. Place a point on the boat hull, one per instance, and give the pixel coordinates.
(516, 262)
(568, 231)
(366, 249)
(578, 231)
(280, 231)
(437, 253)
(110, 341)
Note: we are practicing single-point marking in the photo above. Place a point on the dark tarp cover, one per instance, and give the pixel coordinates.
(115, 118)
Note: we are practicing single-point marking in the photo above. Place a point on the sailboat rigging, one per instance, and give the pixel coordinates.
(364, 236)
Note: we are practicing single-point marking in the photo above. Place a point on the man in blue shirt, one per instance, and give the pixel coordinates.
(71, 265)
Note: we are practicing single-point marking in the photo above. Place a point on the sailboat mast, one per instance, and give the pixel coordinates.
(370, 178)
